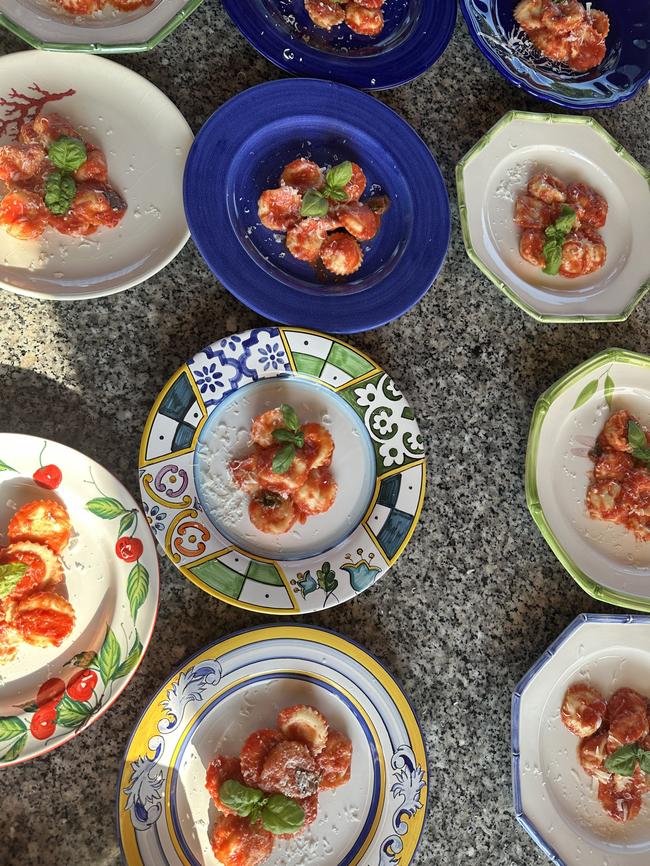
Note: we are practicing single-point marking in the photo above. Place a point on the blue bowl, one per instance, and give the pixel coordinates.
(625, 69)
(415, 34)
(241, 150)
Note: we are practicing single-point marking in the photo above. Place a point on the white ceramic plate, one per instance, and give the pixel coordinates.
(115, 601)
(554, 798)
(146, 141)
(605, 559)
(498, 168)
(238, 685)
(44, 24)
(201, 421)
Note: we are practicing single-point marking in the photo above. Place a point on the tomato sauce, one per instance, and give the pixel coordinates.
(567, 32)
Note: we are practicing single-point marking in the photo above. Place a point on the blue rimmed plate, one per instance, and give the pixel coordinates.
(201, 421)
(237, 685)
(240, 152)
(554, 798)
(625, 69)
(415, 34)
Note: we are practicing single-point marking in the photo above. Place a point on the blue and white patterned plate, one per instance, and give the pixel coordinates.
(239, 684)
(623, 72)
(201, 421)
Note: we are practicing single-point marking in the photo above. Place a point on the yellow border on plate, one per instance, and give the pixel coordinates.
(148, 725)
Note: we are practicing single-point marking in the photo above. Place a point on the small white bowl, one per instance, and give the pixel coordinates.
(146, 141)
(497, 169)
(554, 799)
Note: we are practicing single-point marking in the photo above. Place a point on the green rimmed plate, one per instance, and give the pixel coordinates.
(111, 579)
(42, 25)
(604, 559)
(496, 170)
(201, 421)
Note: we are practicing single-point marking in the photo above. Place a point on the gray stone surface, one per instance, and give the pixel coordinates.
(477, 595)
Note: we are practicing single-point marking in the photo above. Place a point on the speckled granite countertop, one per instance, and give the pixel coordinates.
(477, 595)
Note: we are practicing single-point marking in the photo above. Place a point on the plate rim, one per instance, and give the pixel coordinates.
(143, 464)
(100, 47)
(154, 583)
(542, 406)
(542, 117)
(540, 93)
(295, 629)
(62, 294)
(515, 714)
(319, 70)
(332, 314)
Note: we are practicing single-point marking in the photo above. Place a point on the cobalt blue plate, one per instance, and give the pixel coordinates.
(625, 69)
(415, 34)
(241, 150)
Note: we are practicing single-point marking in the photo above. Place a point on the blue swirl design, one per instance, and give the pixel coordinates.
(409, 782)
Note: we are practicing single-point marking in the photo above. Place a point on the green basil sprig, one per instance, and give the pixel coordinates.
(623, 761)
(67, 153)
(10, 576)
(277, 813)
(315, 203)
(293, 438)
(637, 441)
(60, 190)
(556, 235)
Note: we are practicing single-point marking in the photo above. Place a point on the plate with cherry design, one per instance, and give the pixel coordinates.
(580, 744)
(284, 471)
(275, 745)
(78, 593)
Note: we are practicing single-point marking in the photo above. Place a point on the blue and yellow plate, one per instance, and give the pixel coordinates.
(237, 685)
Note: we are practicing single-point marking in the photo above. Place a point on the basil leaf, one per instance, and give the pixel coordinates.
(240, 798)
(282, 435)
(552, 256)
(283, 460)
(336, 194)
(290, 417)
(282, 815)
(60, 190)
(314, 204)
(67, 153)
(339, 175)
(635, 435)
(622, 761)
(566, 220)
(644, 761)
(10, 576)
(642, 454)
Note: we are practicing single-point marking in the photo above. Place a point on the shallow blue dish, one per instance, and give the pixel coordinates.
(415, 34)
(240, 152)
(625, 69)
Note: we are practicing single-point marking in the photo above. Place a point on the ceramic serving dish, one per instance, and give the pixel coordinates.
(621, 75)
(497, 169)
(237, 685)
(554, 798)
(117, 109)
(240, 152)
(44, 24)
(202, 420)
(605, 559)
(112, 586)
(415, 35)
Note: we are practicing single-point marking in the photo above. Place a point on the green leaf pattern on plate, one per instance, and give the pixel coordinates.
(137, 587)
(105, 507)
(110, 656)
(590, 389)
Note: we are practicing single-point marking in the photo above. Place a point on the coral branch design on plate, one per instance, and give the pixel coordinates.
(23, 107)
(307, 499)
(324, 737)
(67, 676)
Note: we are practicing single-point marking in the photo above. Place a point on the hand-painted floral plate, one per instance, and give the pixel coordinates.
(415, 34)
(622, 73)
(240, 152)
(119, 111)
(496, 170)
(43, 24)
(112, 586)
(604, 558)
(237, 685)
(202, 420)
(555, 800)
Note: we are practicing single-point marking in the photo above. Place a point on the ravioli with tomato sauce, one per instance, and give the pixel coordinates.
(565, 31)
(364, 17)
